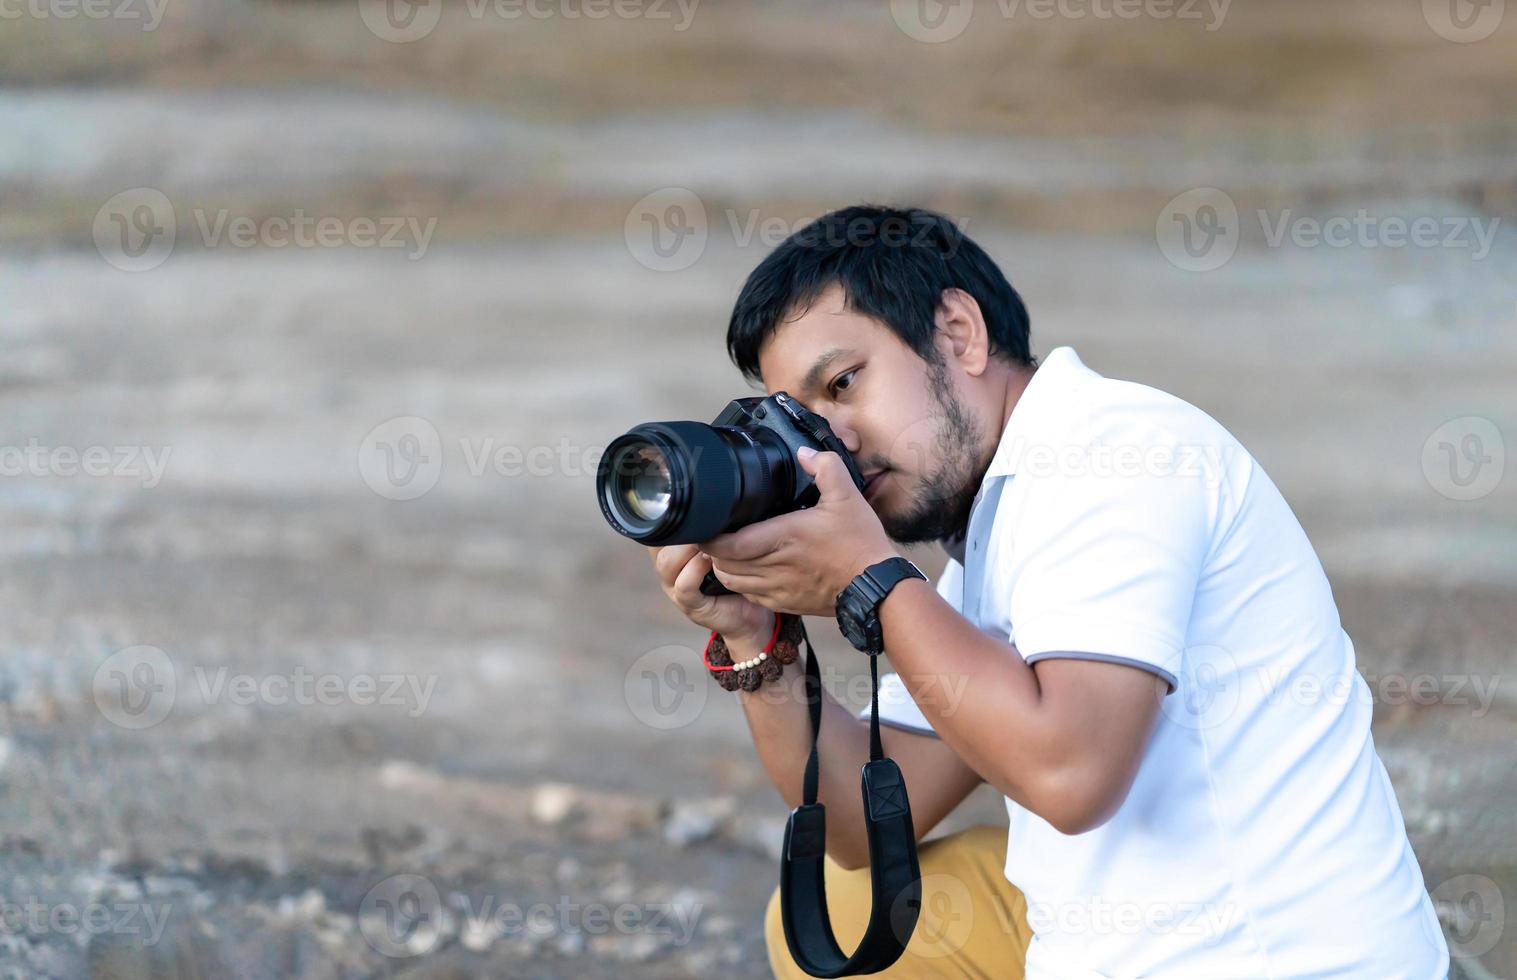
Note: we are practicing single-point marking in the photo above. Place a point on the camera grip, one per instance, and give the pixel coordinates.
(711, 585)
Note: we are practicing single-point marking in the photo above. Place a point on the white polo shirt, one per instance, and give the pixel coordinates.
(1261, 836)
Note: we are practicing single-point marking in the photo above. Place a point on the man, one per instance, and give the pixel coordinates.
(1129, 620)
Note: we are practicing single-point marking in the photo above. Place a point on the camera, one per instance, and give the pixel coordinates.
(682, 482)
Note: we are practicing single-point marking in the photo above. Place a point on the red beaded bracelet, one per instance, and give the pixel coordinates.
(706, 653)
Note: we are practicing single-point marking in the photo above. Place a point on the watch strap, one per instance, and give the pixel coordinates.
(883, 576)
(860, 601)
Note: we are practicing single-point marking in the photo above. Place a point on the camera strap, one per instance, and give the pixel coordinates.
(894, 876)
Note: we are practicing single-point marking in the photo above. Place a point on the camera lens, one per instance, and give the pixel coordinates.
(641, 482)
(683, 482)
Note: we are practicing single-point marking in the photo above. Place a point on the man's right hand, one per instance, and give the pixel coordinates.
(681, 569)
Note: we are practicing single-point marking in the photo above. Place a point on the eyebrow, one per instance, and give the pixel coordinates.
(814, 376)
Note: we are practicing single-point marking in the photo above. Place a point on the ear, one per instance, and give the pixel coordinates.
(960, 331)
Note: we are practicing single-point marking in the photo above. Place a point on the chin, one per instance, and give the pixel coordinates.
(880, 503)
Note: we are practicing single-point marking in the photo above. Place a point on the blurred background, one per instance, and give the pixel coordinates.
(316, 656)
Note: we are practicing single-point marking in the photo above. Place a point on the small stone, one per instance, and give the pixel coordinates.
(619, 886)
(693, 821)
(687, 901)
(553, 803)
(615, 817)
(539, 930)
(638, 948)
(702, 962)
(477, 936)
(718, 925)
(762, 835)
(400, 775)
(304, 909)
(521, 947)
(335, 933)
(570, 944)
(51, 961)
(188, 865)
(93, 886)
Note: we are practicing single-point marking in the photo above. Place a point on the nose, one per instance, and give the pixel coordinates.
(846, 434)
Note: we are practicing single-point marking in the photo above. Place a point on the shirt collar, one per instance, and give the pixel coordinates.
(1040, 404)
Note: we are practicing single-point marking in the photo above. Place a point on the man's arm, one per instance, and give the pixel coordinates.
(1063, 737)
(937, 779)
(1107, 568)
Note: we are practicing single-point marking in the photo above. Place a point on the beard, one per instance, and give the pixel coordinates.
(941, 504)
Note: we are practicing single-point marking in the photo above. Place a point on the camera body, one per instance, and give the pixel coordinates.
(795, 426)
(684, 482)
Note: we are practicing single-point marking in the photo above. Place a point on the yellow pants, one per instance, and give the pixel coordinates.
(973, 921)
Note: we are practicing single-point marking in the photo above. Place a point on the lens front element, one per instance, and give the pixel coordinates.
(641, 483)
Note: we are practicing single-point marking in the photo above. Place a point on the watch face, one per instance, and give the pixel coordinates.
(856, 621)
(852, 632)
(857, 605)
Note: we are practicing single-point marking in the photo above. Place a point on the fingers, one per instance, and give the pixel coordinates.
(830, 472)
(682, 568)
(669, 560)
(686, 588)
(758, 567)
(749, 543)
(748, 586)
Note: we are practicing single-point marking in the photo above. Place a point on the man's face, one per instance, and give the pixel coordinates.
(917, 442)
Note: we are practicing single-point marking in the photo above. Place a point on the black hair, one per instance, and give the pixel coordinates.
(893, 265)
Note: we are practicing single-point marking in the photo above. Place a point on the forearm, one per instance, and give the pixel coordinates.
(781, 726)
(1001, 725)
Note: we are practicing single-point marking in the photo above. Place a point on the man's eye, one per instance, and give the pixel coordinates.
(844, 380)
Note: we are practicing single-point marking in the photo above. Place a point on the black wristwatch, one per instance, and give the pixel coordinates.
(858, 606)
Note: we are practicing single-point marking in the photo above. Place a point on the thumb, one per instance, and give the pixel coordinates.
(829, 471)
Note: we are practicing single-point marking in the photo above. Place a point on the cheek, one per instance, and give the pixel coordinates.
(912, 443)
(906, 432)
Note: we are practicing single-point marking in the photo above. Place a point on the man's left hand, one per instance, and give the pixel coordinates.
(799, 562)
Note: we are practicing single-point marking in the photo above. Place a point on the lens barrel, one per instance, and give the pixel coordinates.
(683, 482)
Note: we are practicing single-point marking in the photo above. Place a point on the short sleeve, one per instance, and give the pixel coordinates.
(897, 708)
(1108, 558)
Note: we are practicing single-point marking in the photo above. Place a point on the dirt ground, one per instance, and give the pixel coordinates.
(255, 701)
